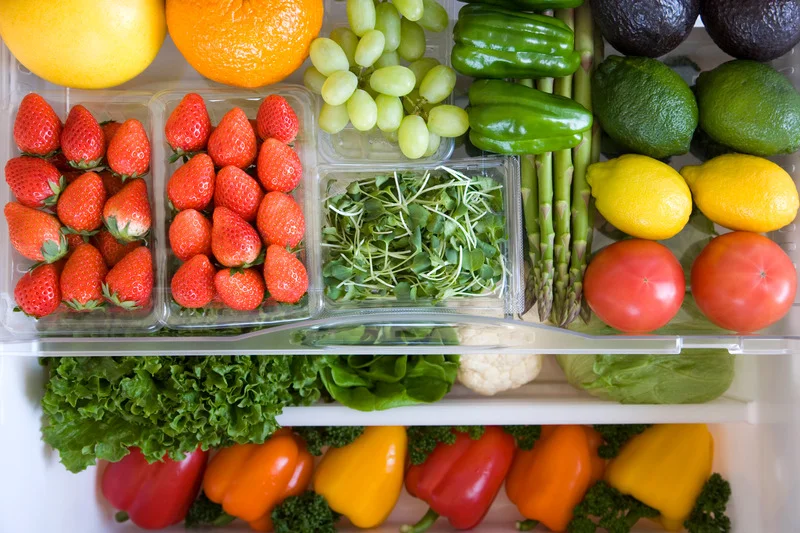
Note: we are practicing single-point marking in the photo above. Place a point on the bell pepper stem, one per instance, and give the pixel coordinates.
(423, 525)
(121, 516)
(527, 525)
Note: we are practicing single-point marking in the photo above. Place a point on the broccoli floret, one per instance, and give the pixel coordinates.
(205, 513)
(614, 512)
(422, 440)
(615, 437)
(708, 515)
(317, 437)
(526, 436)
(307, 513)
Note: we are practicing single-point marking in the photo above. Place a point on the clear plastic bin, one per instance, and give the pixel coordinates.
(169, 72)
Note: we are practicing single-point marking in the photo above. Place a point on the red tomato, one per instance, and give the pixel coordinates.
(635, 286)
(743, 282)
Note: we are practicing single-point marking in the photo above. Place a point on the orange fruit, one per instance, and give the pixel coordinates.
(246, 43)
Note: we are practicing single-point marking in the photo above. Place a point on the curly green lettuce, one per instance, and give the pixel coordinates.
(98, 407)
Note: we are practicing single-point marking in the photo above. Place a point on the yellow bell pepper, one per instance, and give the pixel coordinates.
(363, 480)
(665, 467)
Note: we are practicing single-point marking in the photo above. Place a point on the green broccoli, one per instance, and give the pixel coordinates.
(615, 437)
(204, 512)
(526, 436)
(307, 513)
(317, 437)
(708, 515)
(614, 512)
(422, 440)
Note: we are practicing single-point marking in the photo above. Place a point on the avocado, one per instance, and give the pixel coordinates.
(644, 106)
(750, 107)
(648, 28)
(761, 30)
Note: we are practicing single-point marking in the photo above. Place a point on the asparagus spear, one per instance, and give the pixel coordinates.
(530, 211)
(562, 184)
(581, 196)
(599, 47)
(544, 174)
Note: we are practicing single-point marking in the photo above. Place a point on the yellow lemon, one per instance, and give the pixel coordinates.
(743, 192)
(86, 44)
(641, 196)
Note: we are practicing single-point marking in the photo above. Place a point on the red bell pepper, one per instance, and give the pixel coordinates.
(461, 480)
(154, 495)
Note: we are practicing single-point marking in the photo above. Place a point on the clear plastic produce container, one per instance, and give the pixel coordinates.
(307, 329)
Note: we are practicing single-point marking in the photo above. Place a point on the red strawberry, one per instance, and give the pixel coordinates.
(129, 151)
(241, 290)
(82, 279)
(59, 161)
(112, 250)
(279, 167)
(35, 234)
(37, 128)
(277, 120)
(234, 242)
(130, 283)
(38, 292)
(82, 140)
(127, 213)
(193, 283)
(238, 191)
(34, 181)
(188, 126)
(80, 207)
(280, 220)
(233, 142)
(192, 185)
(190, 235)
(111, 182)
(73, 241)
(286, 277)
(110, 128)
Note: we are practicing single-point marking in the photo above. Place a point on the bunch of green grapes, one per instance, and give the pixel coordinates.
(359, 74)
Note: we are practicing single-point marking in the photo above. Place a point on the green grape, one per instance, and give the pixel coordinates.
(413, 137)
(410, 9)
(333, 118)
(348, 40)
(448, 121)
(433, 144)
(390, 112)
(434, 16)
(362, 110)
(339, 87)
(327, 56)
(361, 16)
(390, 136)
(412, 40)
(372, 92)
(394, 81)
(388, 59)
(314, 80)
(437, 84)
(387, 21)
(370, 48)
(421, 67)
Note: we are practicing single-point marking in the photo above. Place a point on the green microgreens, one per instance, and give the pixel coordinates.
(432, 235)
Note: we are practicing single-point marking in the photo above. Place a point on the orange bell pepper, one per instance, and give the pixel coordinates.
(547, 482)
(250, 480)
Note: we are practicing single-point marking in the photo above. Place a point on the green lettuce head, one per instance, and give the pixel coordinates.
(695, 376)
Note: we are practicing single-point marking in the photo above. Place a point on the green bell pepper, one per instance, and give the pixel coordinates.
(496, 43)
(530, 5)
(509, 118)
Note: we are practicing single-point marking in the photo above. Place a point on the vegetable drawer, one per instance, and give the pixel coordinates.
(319, 324)
(754, 427)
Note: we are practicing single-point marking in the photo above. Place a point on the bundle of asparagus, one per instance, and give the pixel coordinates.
(556, 197)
